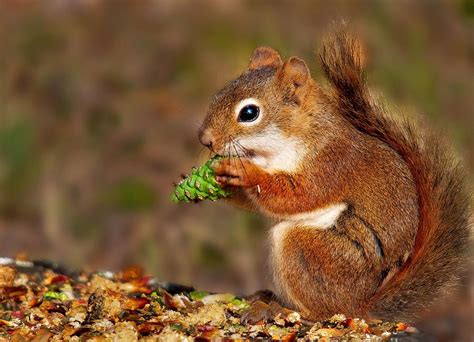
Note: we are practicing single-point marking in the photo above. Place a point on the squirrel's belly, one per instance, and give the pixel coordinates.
(313, 266)
(321, 218)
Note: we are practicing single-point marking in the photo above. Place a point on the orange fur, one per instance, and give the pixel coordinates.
(402, 239)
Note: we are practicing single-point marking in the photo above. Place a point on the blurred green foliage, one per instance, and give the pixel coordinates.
(468, 7)
(131, 195)
(18, 169)
(101, 101)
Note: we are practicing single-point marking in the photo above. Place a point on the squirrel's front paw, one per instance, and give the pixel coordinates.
(236, 172)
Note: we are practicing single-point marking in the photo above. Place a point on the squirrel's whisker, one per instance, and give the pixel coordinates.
(240, 160)
(242, 148)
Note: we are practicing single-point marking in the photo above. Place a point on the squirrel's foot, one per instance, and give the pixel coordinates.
(265, 296)
(263, 312)
(237, 172)
(265, 306)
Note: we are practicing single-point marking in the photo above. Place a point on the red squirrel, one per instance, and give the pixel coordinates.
(371, 211)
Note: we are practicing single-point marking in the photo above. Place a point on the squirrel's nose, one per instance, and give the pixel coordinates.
(205, 137)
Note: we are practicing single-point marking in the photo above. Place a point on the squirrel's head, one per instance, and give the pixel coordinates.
(264, 113)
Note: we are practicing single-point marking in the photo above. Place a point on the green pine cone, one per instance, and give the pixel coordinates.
(200, 185)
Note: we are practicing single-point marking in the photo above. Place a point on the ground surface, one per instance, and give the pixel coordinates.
(43, 301)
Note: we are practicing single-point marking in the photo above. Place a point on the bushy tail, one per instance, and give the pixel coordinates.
(441, 244)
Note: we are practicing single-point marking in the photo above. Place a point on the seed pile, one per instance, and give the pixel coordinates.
(44, 302)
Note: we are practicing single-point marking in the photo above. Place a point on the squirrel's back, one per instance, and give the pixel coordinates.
(439, 255)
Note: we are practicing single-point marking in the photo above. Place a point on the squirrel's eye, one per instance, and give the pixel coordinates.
(249, 113)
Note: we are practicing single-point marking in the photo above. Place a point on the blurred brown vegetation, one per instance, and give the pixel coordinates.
(101, 101)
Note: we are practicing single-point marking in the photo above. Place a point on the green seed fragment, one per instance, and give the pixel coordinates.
(198, 295)
(51, 295)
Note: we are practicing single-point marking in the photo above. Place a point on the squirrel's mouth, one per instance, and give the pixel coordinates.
(235, 150)
(258, 157)
(249, 155)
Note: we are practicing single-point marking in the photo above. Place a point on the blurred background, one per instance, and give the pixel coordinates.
(100, 102)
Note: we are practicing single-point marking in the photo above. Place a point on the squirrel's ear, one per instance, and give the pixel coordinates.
(264, 56)
(294, 75)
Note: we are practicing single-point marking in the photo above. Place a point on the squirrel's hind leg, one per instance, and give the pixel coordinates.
(321, 272)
